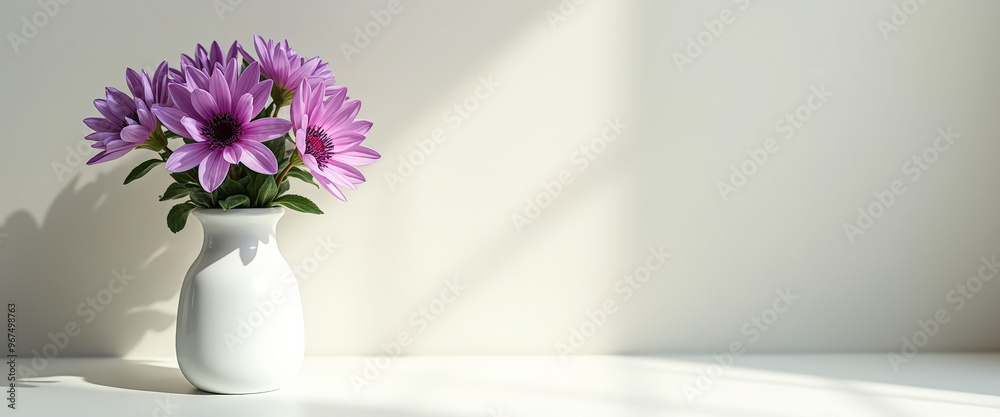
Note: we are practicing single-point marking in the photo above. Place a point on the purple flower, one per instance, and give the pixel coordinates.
(328, 137)
(280, 63)
(128, 122)
(206, 60)
(217, 112)
(151, 91)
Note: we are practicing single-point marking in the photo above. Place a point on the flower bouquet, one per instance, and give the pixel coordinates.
(225, 108)
(239, 319)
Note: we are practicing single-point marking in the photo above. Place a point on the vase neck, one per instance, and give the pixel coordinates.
(259, 223)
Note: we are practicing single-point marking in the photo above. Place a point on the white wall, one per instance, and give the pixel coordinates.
(63, 233)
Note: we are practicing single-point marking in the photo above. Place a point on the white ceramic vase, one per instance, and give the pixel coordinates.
(239, 320)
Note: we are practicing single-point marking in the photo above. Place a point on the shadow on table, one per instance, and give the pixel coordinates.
(136, 375)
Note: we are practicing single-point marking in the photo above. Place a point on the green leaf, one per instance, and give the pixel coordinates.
(298, 203)
(229, 187)
(284, 186)
(142, 169)
(266, 193)
(174, 191)
(282, 164)
(303, 175)
(278, 146)
(182, 177)
(234, 201)
(253, 181)
(203, 199)
(178, 215)
(244, 181)
(194, 187)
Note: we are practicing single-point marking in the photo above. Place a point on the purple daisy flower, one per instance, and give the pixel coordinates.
(149, 90)
(217, 112)
(280, 63)
(206, 60)
(324, 76)
(328, 137)
(128, 122)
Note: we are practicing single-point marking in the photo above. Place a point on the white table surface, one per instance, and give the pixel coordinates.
(960, 385)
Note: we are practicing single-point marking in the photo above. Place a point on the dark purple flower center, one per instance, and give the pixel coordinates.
(319, 145)
(131, 117)
(223, 130)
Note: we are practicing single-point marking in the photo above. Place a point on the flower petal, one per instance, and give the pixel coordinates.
(248, 79)
(243, 108)
(188, 156)
(117, 144)
(106, 156)
(100, 136)
(349, 172)
(300, 140)
(357, 156)
(260, 93)
(119, 103)
(133, 82)
(246, 55)
(193, 129)
(359, 126)
(215, 52)
(195, 78)
(262, 50)
(219, 88)
(345, 140)
(103, 106)
(171, 118)
(181, 97)
(204, 104)
(304, 71)
(337, 177)
(331, 187)
(310, 162)
(135, 134)
(295, 111)
(212, 171)
(280, 62)
(346, 113)
(146, 118)
(265, 129)
(147, 89)
(160, 82)
(233, 50)
(231, 71)
(101, 125)
(232, 154)
(258, 157)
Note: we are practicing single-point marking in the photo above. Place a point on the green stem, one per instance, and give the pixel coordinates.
(293, 162)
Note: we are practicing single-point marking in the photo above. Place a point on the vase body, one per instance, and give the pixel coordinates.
(239, 320)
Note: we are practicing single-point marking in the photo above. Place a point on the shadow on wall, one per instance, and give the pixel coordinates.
(98, 272)
(86, 278)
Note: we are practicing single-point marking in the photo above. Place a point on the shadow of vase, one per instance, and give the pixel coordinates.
(89, 278)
